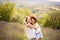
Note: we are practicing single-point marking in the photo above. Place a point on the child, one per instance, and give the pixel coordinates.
(30, 30)
(38, 33)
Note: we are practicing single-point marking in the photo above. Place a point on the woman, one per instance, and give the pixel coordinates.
(38, 33)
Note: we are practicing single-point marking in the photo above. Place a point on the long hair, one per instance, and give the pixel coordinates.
(33, 17)
(27, 18)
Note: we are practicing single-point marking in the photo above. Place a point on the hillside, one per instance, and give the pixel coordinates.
(16, 31)
(12, 31)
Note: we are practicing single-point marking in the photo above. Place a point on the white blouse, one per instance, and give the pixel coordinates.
(31, 33)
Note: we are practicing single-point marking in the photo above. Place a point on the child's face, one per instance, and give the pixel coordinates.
(28, 21)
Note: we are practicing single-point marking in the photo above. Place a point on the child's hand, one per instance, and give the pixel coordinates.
(29, 25)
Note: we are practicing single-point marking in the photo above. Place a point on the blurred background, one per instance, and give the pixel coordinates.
(14, 12)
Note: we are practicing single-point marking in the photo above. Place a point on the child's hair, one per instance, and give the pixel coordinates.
(26, 19)
(32, 17)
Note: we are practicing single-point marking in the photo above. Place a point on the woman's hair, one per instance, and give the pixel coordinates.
(32, 17)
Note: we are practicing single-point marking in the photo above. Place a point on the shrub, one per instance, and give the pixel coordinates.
(51, 19)
(9, 12)
(6, 10)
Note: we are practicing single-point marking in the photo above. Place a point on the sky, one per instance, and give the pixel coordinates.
(40, 0)
(32, 2)
(54, 0)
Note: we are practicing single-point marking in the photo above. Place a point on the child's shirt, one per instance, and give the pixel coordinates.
(30, 33)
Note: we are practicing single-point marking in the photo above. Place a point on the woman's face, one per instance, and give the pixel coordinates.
(33, 21)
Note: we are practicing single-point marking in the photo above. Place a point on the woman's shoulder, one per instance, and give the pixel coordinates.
(37, 25)
(39, 28)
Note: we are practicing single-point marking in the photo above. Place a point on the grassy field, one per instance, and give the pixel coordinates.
(12, 31)
(51, 34)
(15, 31)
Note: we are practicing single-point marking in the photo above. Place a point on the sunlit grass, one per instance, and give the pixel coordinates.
(51, 34)
(12, 31)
